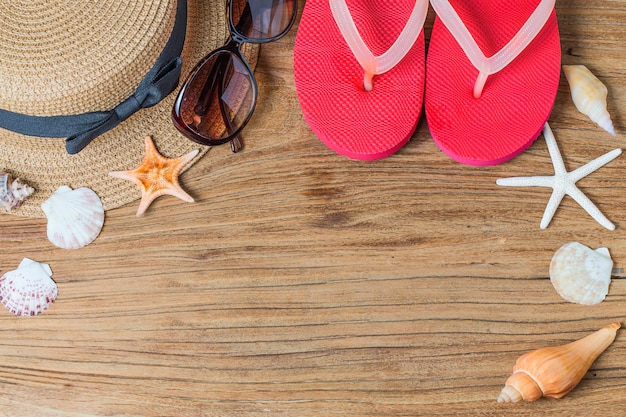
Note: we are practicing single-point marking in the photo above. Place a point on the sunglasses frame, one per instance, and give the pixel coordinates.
(231, 46)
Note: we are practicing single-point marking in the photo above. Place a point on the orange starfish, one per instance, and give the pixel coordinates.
(157, 175)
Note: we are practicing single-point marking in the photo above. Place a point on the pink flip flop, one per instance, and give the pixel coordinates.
(485, 111)
(359, 73)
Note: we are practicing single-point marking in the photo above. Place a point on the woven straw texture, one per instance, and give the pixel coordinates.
(67, 57)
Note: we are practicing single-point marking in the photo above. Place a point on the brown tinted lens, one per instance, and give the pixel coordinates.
(262, 19)
(219, 98)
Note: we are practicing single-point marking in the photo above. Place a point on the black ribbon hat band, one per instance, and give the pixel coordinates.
(80, 129)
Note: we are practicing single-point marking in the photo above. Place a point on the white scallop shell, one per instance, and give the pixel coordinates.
(589, 95)
(581, 275)
(75, 217)
(13, 191)
(28, 290)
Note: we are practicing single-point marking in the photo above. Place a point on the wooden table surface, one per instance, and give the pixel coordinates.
(301, 283)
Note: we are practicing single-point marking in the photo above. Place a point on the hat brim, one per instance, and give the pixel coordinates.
(44, 164)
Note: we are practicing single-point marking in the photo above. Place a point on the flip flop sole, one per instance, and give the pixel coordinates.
(516, 102)
(329, 81)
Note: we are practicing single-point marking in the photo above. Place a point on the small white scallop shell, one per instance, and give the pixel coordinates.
(13, 191)
(589, 95)
(75, 217)
(29, 289)
(581, 275)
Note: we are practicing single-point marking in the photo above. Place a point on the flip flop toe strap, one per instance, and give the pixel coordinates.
(375, 65)
(502, 58)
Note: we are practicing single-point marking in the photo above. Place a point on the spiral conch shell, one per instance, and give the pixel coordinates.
(589, 95)
(580, 274)
(554, 371)
(75, 217)
(13, 191)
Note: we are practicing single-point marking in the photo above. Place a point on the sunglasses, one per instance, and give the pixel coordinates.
(218, 98)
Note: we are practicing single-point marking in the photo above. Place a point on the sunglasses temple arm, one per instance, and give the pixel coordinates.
(235, 143)
(208, 90)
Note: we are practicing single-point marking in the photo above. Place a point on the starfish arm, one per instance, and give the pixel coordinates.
(125, 175)
(553, 149)
(177, 191)
(538, 181)
(589, 207)
(553, 204)
(146, 199)
(188, 157)
(594, 165)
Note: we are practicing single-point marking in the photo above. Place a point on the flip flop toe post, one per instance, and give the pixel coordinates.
(493, 71)
(359, 72)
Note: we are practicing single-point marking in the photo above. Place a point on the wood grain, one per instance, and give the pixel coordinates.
(301, 283)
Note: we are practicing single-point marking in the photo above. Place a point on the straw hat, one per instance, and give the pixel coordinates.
(69, 57)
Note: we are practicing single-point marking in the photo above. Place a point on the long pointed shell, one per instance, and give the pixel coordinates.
(589, 95)
(13, 191)
(29, 289)
(554, 371)
(75, 217)
(581, 275)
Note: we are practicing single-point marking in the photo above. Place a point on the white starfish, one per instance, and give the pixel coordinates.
(563, 182)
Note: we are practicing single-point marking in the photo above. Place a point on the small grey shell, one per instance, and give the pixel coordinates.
(13, 191)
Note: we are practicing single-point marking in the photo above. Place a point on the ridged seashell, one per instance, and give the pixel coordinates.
(589, 95)
(554, 371)
(28, 290)
(580, 274)
(75, 217)
(13, 191)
